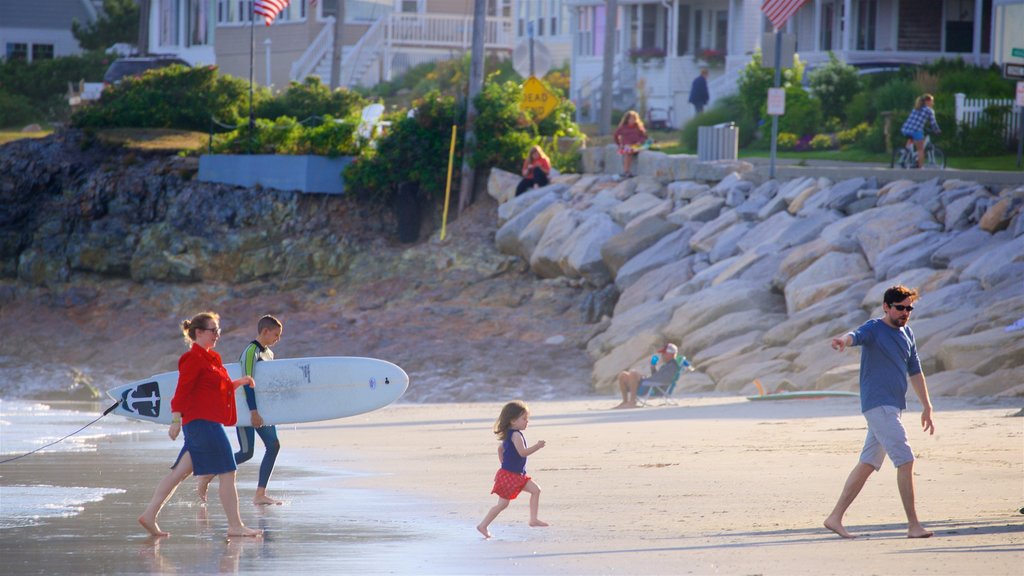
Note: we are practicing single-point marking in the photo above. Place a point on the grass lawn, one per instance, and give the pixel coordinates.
(12, 135)
(154, 139)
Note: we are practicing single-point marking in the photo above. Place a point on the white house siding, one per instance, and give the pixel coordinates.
(42, 24)
(288, 42)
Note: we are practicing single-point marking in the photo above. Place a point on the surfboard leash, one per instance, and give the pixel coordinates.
(105, 412)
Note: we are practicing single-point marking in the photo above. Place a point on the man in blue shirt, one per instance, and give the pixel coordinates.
(888, 357)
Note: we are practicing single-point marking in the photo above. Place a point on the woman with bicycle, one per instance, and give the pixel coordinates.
(922, 115)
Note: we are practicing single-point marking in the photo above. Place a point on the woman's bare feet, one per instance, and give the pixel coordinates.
(152, 528)
(538, 523)
(837, 527)
(483, 530)
(245, 532)
(919, 532)
(264, 500)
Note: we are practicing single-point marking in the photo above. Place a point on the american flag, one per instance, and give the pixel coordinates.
(778, 11)
(269, 9)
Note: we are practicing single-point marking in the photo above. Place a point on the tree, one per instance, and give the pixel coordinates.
(119, 22)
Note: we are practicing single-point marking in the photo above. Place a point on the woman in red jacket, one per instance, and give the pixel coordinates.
(203, 403)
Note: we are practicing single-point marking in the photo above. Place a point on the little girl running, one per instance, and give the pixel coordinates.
(511, 478)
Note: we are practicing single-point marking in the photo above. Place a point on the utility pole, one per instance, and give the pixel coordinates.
(142, 43)
(339, 27)
(608, 71)
(476, 85)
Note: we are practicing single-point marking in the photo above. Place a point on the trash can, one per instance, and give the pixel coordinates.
(407, 212)
(718, 142)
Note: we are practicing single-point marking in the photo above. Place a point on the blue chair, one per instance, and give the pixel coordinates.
(647, 389)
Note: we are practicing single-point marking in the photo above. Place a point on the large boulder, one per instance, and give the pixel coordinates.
(634, 240)
(998, 264)
(506, 239)
(727, 326)
(830, 274)
(501, 185)
(632, 355)
(530, 236)
(671, 248)
(911, 252)
(707, 306)
(702, 209)
(515, 206)
(634, 206)
(655, 284)
(989, 350)
(582, 257)
(883, 227)
(546, 258)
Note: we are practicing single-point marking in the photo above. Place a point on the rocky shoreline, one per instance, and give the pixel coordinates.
(752, 277)
(103, 251)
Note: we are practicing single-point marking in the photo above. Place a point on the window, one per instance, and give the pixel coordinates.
(17, 51)
(42, 52)
(169, 15)
(683, 40)
(367, 10)
(223, 11)
(722, 31)
(198, 22)
(245, 11)
(410, 6)
(867, 13)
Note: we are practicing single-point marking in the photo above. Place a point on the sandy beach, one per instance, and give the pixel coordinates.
(715, 485)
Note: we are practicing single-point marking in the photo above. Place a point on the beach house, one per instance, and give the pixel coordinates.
(41, 30)
(344, 42)
(661, 45)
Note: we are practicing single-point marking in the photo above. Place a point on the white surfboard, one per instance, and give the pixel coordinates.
(288, 391)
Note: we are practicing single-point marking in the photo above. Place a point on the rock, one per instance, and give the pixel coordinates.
(799, 259)
(705, 307)
(783, 333)
(655, 284)
(633, 355)
(960, 214)
(671, 248)
(727, 326)
(741, 379)
(546, 258)
(685, 190)
(995, 383)
(633, 240)
(961, 243)
(805, 228)
(530, 236)
(911, 252)
(582, 255)
(507, 236)
(948, 383)
(995, 265)
(30, 128)
(843, 194)
(525, 201)
(756, 266)
(660, 210)
(599, 303)
(703, 209)
(766, 232)
(844, 377)
(884, 227)
(704, 239)
(501, 185)
(828, 275)
(993, 349)
(634, 206)
(998, 216)
(726, 244)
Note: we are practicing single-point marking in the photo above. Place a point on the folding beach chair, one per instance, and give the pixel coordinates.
(665, 391)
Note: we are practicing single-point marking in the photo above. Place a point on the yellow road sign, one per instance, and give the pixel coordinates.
(538, 99)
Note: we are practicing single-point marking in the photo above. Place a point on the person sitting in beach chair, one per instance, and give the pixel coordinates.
(662, 380)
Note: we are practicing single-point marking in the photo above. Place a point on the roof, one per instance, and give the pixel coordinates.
(56, 14)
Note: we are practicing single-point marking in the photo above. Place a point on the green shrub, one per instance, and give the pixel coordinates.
(171, 97)
(803, 113)
(853, 135)
(822, 142)
(285, 135)
(957, 75)
(723, 110)
(787, 141)
(16, 111)
(754, 82)
(415, 149)
(835, 84)
(311, 98)
(896, 95)
(44, 83)
(510, 132)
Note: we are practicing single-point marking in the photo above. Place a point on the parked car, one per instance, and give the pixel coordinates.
(136, 65)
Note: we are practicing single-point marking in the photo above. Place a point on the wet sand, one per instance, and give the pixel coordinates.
(717, 485)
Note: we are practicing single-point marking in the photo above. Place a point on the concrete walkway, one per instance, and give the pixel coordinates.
(836, 171)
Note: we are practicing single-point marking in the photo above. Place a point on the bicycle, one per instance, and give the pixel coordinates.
(906, 157)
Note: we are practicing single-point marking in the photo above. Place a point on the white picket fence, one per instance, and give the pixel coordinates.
(970, 111)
